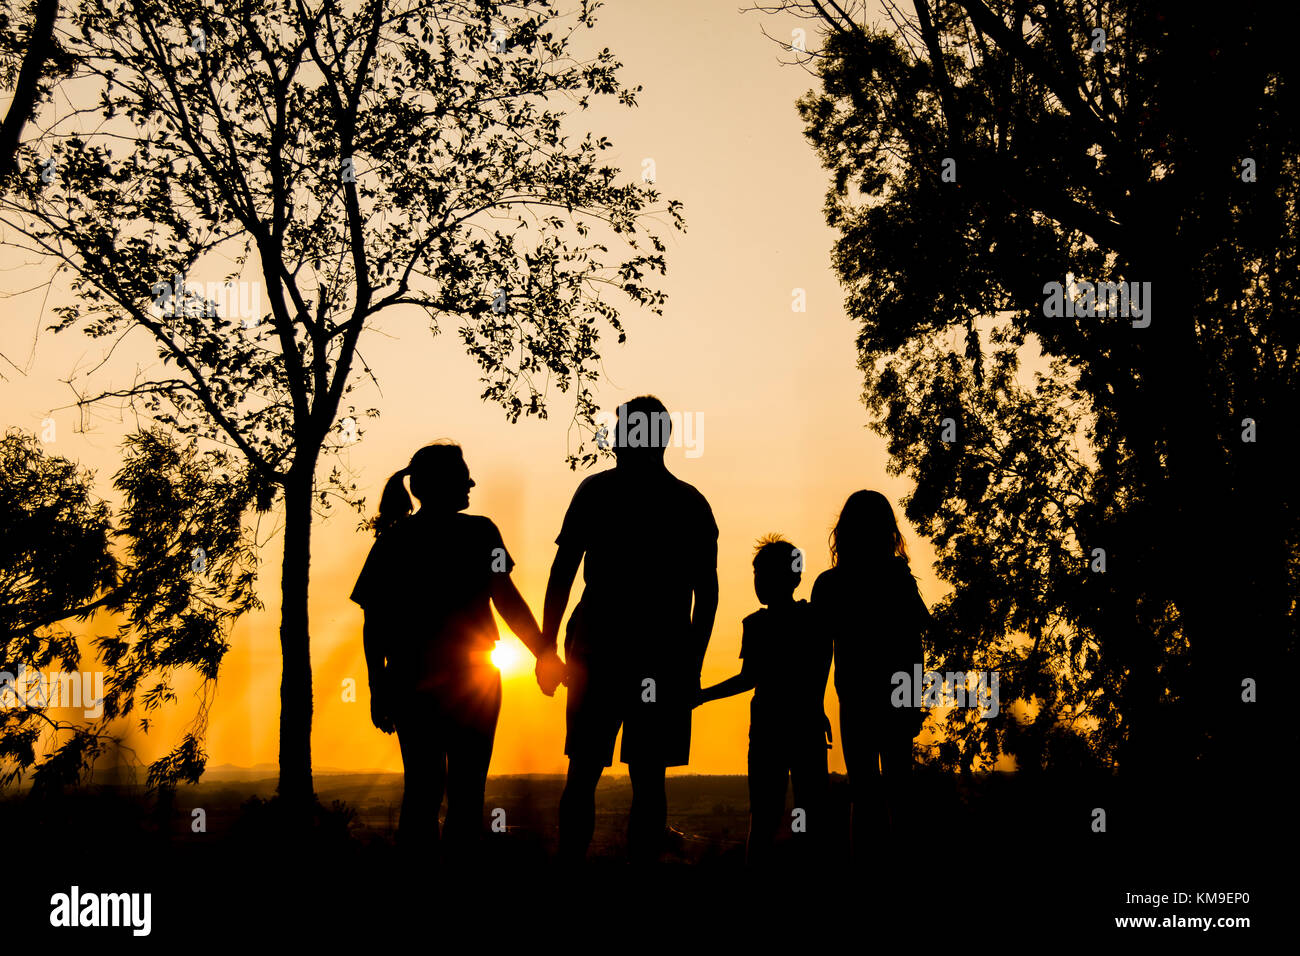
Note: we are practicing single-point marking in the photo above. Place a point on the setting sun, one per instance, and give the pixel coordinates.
(506, 656)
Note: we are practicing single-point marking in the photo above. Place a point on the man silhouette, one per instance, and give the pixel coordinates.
(636, 640)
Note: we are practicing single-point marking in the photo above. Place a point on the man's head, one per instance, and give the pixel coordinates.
(778, 567)
(642, 431)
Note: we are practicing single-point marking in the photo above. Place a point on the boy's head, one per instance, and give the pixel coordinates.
(778, 566)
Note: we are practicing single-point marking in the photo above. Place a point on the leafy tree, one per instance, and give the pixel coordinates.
(176, 570)
(29, 60)
(980, 151)
(362, 161)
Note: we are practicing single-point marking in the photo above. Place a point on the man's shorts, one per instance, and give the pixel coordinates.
(653, 709)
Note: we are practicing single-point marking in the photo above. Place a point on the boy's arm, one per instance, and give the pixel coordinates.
(728, 688)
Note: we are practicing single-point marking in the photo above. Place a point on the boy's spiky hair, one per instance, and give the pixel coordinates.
(770, 541)
(774, 548)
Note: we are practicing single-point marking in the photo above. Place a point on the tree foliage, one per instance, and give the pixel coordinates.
(174, 567)
(385, 159)
(980, 151)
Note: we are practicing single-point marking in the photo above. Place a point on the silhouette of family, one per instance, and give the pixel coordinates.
(634, 650)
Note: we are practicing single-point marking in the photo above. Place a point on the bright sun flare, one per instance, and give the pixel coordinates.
(506, 657)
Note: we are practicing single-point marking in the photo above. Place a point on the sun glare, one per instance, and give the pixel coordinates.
(506, 656)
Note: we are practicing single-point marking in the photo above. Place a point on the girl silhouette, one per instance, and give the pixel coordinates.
(427, 588)
(869, 602)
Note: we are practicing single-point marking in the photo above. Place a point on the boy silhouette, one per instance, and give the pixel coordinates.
(787, 659)
(636, 640)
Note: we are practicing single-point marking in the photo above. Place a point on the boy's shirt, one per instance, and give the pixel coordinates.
(789, 658)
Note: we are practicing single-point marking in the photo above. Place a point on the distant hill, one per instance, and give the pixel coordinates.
(260, 771)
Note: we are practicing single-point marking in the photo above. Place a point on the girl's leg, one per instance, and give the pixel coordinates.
(896, 767)
(866, 788)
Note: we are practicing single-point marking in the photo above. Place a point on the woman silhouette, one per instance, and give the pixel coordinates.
(427, 588)
(869, 602)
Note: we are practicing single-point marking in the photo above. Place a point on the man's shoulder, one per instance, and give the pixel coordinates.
(693, 500)
(687, 489)
(596, 482)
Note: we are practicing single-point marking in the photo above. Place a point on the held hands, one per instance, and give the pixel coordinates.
(830, 739)
(550, 672)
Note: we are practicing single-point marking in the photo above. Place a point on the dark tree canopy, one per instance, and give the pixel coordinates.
(174, 568)
(979, 152)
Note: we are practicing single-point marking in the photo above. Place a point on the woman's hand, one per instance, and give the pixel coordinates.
(380, 714)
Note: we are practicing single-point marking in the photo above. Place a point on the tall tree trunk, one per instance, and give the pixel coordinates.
(295, 644)
(40, 45)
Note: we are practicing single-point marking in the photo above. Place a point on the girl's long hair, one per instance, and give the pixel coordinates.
(395, 502)
(866, 531)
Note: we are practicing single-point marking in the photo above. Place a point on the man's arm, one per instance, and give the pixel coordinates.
(563, 570)
(703, 612)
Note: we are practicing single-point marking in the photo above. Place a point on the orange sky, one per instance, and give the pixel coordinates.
(784, 435)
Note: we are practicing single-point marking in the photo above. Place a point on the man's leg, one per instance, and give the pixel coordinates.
(578, 808)
(649, 819)
(592, 717)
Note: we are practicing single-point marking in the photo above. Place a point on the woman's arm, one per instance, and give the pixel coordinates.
(374, 636)
(518, 615)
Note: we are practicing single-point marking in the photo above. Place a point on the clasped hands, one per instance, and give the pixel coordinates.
(551, 672)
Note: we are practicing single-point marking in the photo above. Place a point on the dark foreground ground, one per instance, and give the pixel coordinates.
(999, 857)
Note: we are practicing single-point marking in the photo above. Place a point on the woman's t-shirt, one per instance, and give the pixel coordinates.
(430, 577)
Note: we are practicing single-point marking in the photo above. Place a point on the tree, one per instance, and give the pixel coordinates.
(358, 159)
(24, 72)
(1119, 544)
(176, 569)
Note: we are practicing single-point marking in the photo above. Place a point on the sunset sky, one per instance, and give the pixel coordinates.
(784, 438)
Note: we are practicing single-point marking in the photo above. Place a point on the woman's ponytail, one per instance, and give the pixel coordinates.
(394, 504)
